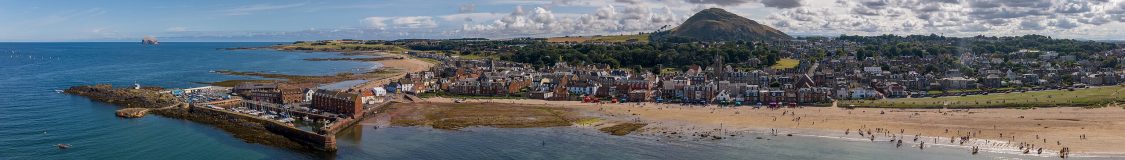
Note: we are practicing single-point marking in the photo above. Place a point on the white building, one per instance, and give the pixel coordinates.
(379, 91)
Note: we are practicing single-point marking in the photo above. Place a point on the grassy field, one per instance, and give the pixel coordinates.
(611, 39)
(1090, 97)
(786, 63)
(340, 47)
(568, 39)
(621, 38)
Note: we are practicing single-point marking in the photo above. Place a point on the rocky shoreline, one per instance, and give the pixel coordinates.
(125, 97)
(136, 102)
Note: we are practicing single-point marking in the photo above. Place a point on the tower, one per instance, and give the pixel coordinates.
(718, 67)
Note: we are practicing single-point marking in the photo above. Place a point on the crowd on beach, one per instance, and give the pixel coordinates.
(788, 122)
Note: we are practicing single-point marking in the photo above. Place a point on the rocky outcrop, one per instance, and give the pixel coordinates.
(149, 40)
(124, 97)
(138, 102)
(132, 112)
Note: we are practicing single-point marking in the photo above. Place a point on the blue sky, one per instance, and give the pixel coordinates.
(278, 20)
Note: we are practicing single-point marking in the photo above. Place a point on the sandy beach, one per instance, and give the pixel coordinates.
(1001, 130)
(400, 66)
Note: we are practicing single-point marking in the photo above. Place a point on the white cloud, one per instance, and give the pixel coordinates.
(414, 22)
(409, 22)
(177, 29)
(608, 19)
(954, 17)
(246, 10)
(375, 22)
(471, 17)
(1075, 18)
(766, 3)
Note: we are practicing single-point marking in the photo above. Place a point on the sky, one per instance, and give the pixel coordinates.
(290, 20)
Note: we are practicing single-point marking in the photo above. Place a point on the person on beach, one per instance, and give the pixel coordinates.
(922, 145)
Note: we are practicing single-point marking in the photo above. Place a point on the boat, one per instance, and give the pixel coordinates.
(62, 146)
(58, 91)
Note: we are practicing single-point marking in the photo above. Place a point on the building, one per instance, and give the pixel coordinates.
(379, 91)
(957, 83)
(342, 103)
(280, 93)
(257, 91)
(291, 93)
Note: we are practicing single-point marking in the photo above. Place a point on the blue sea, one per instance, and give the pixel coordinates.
(34, 118)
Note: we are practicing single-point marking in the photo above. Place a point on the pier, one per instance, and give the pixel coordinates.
(323, 139)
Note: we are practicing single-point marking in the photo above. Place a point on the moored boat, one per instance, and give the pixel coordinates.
(62, 146)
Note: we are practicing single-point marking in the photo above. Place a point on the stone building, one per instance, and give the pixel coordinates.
(342, 103)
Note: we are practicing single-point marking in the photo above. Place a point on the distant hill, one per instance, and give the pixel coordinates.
(719, 25)
(642, 38)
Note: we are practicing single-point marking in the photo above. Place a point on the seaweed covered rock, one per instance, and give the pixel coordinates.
(125, 97)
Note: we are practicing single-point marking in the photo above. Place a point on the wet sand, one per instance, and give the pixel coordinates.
(1048, 128)
(400, 66)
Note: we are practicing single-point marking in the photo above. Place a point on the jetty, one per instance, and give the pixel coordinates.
(137, 102)
(323, 139)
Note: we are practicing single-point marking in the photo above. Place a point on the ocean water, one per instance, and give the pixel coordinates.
(33, 117)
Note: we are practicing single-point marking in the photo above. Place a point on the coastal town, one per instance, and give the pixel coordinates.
(809, 82)
(1029, 95)
(319, 110)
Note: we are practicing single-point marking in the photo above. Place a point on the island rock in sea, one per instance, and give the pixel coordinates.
(149, 40)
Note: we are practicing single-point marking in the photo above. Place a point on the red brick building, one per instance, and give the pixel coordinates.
(342, 103)
(280, 93)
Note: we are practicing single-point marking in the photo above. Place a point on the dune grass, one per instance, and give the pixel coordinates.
(1090, 97)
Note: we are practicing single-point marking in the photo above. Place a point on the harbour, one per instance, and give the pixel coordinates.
(92, 130)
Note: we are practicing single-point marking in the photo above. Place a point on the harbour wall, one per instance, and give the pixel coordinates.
(324, 142)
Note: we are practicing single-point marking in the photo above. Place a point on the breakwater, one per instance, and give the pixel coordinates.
(322, 142)
(322, 139)
(251, 129)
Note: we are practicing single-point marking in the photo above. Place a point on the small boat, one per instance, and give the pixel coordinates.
(62, 146)
(58, 91)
